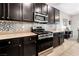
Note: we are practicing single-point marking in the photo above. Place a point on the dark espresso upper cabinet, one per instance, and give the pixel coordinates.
(37, 7)
(10, 11)
(1, 11)
(27, 12)
(24, 11)
(15, 11)
(51, 15)
(57, 15)
(40, 8)
(44, 9)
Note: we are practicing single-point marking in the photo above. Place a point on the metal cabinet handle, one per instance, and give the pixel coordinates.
(9, 42)
(7, 17)
(8, 11)
(3, 17)
(20, 45)
(30, 39)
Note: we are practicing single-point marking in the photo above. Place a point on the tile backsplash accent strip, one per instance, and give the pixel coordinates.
(6, 26)
(14, 26)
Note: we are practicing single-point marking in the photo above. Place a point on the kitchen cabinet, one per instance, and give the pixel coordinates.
(30, 46)
(11, 47)
(55, 40)
(44, 9)
(41, 8)
(67, 34)
(24, 11)
(51, 15)
(58, 39)
(37, 7)
(4, 44)
(15, 11)
(15, 48)
(61, 37)
(6, 8)
(23, 46)
(27, 12)
(57, 15)
(1, 11)
(10, 11)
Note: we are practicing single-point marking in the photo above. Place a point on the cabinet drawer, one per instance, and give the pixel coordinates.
(29, 40)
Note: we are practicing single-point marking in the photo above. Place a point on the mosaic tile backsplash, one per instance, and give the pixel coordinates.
(21, 26)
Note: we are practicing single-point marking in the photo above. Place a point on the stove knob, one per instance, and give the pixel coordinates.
(30, 39)
(20, 45)
(9, 42)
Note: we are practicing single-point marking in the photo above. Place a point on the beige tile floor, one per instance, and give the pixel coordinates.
(68, 48)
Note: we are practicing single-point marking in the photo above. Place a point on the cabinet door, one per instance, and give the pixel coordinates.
(2, 11)
(27, 12)
(4, 45)
(57, 15)
(61, 38)
(6, 11)
(44, 9)
(15, 49)
(51, 15)
(29, 46)
(38, 7)
(15, 12)
(56, 41)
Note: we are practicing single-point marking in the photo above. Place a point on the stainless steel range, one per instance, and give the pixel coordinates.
(45, 38)
(42, 34)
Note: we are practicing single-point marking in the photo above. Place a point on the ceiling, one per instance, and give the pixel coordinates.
(69, 8)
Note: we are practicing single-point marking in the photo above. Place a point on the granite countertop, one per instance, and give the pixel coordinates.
(55, 31)
(8, 35)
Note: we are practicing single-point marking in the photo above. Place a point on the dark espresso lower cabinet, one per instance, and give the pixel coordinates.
(3, 47)
(30, 46)
(15, 48)
(25, 46)
(55, 40)
(67, 34)
(11, 47)
(61, 37)
(13, 51)
(58, 39)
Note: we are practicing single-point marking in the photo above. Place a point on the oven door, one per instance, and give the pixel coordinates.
(45, 44)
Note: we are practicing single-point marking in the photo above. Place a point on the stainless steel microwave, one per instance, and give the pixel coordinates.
(40, 18)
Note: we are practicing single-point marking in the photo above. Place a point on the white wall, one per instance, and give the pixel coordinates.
(62, 17)
(75, 25)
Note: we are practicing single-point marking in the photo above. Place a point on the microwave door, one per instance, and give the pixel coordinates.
(39, 18)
